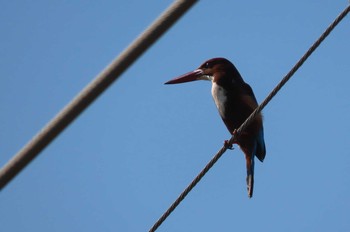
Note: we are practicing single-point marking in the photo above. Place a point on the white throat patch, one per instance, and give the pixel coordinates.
(219, 95)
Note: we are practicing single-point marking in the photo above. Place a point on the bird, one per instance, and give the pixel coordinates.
(235, 101)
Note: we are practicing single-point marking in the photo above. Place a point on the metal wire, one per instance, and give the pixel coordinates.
(292, 71)
(93, 90)
(249, 120)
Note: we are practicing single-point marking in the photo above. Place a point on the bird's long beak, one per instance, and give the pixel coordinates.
(190, 76)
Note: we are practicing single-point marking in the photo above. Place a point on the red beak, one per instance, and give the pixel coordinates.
(191, 76)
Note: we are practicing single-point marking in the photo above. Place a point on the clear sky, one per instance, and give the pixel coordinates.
(121, 164)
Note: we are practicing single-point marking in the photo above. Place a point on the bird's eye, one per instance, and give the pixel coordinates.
(206, 65)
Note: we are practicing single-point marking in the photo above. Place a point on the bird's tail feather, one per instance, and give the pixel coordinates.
(250, 175)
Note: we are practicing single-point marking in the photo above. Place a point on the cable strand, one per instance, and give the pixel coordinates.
(292, 71)
(93, 90)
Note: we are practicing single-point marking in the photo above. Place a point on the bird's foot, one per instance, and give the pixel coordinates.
(226, 142)
(228, 145)
(235, 135)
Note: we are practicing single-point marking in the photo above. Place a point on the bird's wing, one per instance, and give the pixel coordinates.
(249, 98)
(260, 148)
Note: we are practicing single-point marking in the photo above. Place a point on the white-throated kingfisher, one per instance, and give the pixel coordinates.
(235, 101)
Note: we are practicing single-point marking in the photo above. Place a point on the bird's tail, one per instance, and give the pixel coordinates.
(250, 175)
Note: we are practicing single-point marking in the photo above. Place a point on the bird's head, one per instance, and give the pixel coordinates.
(215, 70)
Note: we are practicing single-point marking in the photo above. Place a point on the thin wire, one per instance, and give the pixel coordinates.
(111, 73)
(292, 71)
(249, 120)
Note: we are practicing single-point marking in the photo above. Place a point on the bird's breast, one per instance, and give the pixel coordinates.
(220, 98)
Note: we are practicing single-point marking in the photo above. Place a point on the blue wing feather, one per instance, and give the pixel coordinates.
(260, 151)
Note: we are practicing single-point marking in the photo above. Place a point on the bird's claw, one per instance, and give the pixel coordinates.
(235, 137)
(228, 145)
(226, 142)
(235, 133)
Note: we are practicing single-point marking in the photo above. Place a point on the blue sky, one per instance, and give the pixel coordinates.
(121, 164)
